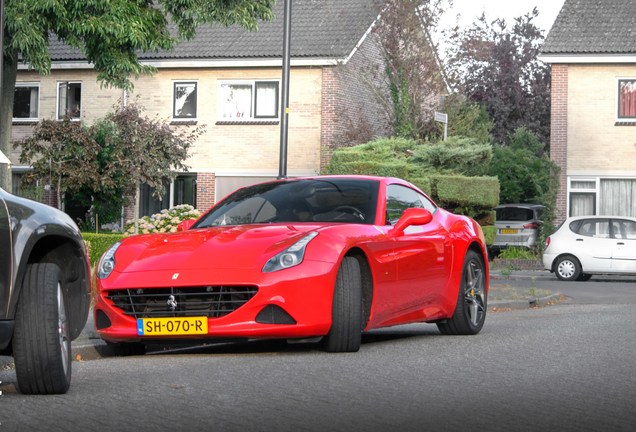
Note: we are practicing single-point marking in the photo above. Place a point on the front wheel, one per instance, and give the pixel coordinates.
(41, 340)
(345, 334)
(470, 310)
(567, 268)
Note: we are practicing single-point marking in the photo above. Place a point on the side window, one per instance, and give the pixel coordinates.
(399, 198)
(69, 100)
(597, 228)
(624, 229)
(184, 100)
(26, 102)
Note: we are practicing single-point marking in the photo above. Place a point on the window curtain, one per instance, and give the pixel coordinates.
(582, 204)
(627, 99)
(266, 99)
(618, 197)
(236, 101)
(33, 102)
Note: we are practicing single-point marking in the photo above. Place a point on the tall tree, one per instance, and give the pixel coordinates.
(110, 33)
(496, 66)
(411, 80)
(107, 160)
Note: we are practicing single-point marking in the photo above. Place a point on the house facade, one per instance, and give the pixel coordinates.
(229, 80)
(592, 50)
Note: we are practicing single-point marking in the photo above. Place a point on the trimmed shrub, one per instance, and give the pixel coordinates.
(466, 191)
(97, 244)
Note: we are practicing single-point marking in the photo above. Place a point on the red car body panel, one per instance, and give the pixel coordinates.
(415, 275)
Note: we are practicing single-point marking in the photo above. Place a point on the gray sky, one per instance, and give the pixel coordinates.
(507, 9)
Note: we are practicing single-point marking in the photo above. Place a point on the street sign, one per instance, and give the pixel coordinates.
(441, 117)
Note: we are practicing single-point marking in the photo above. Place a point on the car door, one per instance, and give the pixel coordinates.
(5, 254)
(592, 245)
(422, 253)
(624, 246)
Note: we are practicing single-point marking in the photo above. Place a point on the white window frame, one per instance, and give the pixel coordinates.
(252, 118)
(174, 101)
(57, 99)
(28, 119)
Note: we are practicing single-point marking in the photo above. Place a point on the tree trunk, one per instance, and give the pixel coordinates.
(9, 72)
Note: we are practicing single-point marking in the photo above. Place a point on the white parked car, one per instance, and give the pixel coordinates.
(586, 245)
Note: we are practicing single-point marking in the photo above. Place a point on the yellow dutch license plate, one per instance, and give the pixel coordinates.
(509, 231)
(172, 326)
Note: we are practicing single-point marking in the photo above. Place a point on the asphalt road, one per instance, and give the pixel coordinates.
(568, 366)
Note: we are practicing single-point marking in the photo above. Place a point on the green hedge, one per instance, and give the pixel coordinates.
(489, 232)
(466, 191)
(398, 169)
(99, 243)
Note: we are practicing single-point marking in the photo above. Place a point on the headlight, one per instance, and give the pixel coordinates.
(107, 262)
(290, 257)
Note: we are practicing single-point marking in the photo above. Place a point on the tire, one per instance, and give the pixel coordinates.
(125, 349)
(567, 268)
(470, 309)
(345, 334)
(41, 340)
(584, 277)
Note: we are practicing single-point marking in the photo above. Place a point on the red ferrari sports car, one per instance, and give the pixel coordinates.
(324, 258)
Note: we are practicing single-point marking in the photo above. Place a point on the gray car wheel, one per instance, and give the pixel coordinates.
(470, 310)
(41, 340)
(567, 268)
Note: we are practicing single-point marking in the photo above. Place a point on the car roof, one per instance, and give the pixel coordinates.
(575, 218)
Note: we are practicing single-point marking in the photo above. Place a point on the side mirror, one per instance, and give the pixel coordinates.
(410, 217)
(185, 225)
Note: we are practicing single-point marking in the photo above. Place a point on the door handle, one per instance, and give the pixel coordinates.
(579, 239)
(620, 244)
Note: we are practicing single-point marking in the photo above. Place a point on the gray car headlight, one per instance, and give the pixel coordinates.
(290, 257)
(107, 262)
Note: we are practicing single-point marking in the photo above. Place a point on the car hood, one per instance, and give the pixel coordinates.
(235, 247)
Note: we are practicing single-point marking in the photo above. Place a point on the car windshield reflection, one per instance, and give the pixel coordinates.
(293, 201)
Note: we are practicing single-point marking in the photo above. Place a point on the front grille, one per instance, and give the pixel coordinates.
(210, 301)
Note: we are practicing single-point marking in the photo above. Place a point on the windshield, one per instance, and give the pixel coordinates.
(307, 200)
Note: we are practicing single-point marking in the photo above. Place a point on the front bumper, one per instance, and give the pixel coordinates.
(303, 293)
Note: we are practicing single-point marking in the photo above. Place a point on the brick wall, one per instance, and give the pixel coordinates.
(559, 134)
(206, 184)
(352, 110)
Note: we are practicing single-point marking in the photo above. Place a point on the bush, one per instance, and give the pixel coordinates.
(163, 222)
(97, 244)
(490, 232)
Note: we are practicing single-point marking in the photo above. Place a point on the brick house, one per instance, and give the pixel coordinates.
(592, 50)
(229, 80)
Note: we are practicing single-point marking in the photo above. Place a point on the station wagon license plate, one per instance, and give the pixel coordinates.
(509, 231)
(172, 326)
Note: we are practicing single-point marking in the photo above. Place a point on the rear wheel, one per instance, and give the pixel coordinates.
(345, 334)
(584, 277)
(567, 268)
(470, 310)
(41, 341)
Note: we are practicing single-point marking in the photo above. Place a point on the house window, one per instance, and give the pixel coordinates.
(26, 102)
(627, 99)
(69, 100)
(185, 100)
(248, 100)
(582, 197)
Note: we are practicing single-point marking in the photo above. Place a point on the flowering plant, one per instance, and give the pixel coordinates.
(165, 221)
